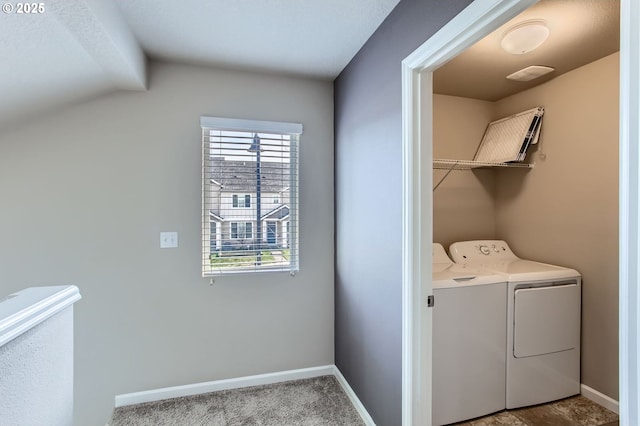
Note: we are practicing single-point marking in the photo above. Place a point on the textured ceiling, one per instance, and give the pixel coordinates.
(315, 38)
(71, 51)
(77, 49)
(581, 31)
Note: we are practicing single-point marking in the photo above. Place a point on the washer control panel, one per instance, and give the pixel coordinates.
(481, 251)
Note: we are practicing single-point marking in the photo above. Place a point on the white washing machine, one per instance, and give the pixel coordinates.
(469, 340)
(543, 326)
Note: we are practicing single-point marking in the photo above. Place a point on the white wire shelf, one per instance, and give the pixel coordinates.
(451, 165)
(469, 164)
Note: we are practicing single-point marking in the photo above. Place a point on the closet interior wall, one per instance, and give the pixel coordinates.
(464, 204)
(564, 211)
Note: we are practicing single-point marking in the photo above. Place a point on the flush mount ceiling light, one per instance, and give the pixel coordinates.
(525, 37)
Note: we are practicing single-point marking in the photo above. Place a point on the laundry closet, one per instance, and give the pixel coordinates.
(564, 209)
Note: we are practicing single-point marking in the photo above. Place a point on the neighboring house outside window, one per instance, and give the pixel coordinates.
(250, 199)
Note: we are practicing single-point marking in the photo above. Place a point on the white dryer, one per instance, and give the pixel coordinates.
(543, 325)
(469, 340)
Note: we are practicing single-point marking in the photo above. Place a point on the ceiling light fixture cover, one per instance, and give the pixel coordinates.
(530, 73)
(525, 37)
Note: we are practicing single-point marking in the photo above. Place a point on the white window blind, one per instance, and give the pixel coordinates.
(250, 196)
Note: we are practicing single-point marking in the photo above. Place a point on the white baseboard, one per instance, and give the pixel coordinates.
(600, 398)
(243, 382)
(364, 414)
(219, 385)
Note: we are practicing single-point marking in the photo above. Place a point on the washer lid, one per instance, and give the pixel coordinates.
(456, 275)
(527, 270)
(447, 274)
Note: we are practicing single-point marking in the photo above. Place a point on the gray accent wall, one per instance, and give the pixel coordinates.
(368, 216)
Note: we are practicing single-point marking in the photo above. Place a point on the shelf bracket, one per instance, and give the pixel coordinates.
(453, 166)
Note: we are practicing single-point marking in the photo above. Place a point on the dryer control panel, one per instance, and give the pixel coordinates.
(481, 251)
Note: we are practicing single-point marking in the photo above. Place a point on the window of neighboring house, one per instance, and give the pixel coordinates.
(287, 235)
(250, 185)
(241, 230)
(213, 243)
(241, 200)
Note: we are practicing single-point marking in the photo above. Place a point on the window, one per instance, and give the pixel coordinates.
(241, 230)
(241, 201)
(250, 189)
(213, 237)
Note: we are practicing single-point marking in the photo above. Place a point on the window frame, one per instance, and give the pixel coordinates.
(245, 235)
(213, 235)
(246, 201)
(294, 131)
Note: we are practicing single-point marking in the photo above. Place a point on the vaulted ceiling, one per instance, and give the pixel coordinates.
(77, 49)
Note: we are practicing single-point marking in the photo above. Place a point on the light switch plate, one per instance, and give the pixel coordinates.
(168, 239)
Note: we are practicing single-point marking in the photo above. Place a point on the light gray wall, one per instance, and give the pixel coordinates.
(85, 193)
(369, 205)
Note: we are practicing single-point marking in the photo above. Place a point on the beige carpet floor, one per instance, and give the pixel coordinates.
(318, 401)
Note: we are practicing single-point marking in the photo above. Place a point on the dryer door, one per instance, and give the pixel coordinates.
(546, 320)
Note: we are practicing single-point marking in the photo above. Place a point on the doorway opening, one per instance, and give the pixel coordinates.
(471, 25)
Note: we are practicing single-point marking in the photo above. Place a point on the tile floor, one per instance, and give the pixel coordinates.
(574, 411)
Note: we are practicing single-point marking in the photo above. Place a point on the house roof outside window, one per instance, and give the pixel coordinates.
(240, 176)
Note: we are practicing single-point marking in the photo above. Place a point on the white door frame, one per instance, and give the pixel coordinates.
(629, 318)
(472, 24)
